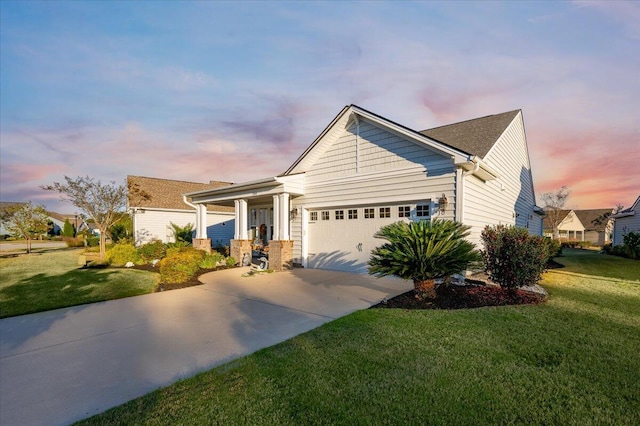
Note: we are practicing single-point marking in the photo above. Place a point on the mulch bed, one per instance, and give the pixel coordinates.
(166, 287)
(463, 297)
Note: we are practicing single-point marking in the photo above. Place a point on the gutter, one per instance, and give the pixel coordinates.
(476, 167)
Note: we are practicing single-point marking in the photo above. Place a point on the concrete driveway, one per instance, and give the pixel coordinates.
(60, 366)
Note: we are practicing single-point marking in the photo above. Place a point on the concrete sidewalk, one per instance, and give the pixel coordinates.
(60, 366)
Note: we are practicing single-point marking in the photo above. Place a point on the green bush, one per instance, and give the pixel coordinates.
(576, 244)
(631, 241)
(152, 250)
(180, 265)
(512, 257)
(93, 241)
(231, 261)
(120, 254)
(554, 248)
(68, 230)
(211, 260)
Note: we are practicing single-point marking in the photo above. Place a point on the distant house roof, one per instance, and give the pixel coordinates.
(167, 193)
(589, 217)
(546, 221)
(475, 137)
(586, 217)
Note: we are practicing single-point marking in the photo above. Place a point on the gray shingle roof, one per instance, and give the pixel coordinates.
(167, 194)
(475, 137)
(587, 218)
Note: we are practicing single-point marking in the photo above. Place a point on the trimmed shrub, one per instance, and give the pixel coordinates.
(512, 257)
(180, 265)
(231, 261)
(211, 260)
(152, 250)
(120, 254)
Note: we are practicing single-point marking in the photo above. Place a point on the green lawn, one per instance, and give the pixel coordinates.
(50, 280)
(572, 360)
(591, 262)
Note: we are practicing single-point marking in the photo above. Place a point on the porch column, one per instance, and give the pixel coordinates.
(240, 245)
(236, 232)
(201, 241)
(284, 217)
(276, 217)
(242, 204)
(201, 215)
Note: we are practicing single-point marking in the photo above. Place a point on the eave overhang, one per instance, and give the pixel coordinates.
(257, 189)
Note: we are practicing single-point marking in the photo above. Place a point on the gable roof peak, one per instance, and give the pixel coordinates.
(475, 136)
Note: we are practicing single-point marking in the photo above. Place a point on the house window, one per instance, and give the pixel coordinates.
(353, 213)
(339, 214)
(422, 210)
(404, 211)
(369, 213)
(313, 216)
(325, 215)
(385, 212)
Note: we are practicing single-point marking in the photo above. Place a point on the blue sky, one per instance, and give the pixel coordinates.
(235, 91)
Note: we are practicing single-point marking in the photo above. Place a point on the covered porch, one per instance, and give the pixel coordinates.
(263, 217)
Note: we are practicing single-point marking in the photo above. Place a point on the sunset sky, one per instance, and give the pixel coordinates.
(235, 91)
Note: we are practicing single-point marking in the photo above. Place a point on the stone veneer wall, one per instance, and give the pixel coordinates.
(202, 244)
(239, 248)
(280, 255)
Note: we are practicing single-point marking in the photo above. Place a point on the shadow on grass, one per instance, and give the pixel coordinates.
(44, 292)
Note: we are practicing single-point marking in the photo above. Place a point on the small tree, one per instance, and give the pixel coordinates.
(423, 251)
(103, 203)
(554, 201)
(68, 230)
(26, 221)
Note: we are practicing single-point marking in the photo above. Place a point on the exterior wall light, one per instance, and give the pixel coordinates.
(442, 204)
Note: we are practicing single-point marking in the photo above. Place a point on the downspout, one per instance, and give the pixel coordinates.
(198, 224)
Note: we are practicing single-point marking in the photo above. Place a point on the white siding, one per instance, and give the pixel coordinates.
(624, 225)
(383, 169)
(155, 225)
(509, 199)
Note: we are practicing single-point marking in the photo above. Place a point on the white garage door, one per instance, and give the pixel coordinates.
(342, 239)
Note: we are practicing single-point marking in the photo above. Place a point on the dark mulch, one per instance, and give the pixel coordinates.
(464, 297)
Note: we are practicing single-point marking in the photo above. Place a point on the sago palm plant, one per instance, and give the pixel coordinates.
(423, 251)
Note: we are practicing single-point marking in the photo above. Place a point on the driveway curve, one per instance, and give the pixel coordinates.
(60, 366)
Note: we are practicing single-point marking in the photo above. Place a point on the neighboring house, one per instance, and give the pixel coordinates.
(56, 219)
(583, 225)
(625, 221)
(74, 219)
(152, 218)
(365, 171)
